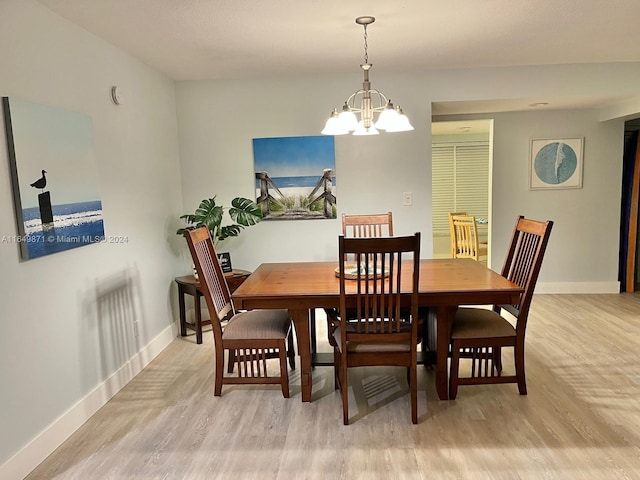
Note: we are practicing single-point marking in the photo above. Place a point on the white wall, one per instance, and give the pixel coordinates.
(584, 244)
(61, 353)
(217, 121)
(583, 250)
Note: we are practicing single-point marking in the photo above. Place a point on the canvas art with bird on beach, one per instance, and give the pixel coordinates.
(54, 175)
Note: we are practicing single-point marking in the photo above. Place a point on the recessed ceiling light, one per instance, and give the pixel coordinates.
(539, 104)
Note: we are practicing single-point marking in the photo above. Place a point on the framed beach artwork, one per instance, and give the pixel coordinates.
(54, 178)
(555, 163)
(295, 177)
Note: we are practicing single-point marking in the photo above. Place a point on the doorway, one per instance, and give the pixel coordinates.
(461, 160)
(628, 271)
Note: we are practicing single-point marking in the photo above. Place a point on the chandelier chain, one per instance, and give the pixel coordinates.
(366, 53)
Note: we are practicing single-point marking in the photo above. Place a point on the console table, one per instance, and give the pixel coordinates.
(188, 285)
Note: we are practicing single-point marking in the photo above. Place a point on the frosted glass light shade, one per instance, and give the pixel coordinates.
(401, 124)
(348, 119)
(388, 118)
(334, 126)
(363, 131)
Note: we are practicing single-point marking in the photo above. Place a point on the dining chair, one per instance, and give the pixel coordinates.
(367, 225)
(251, 337)
(375, 225)
(376, 332)
(371, 225)
(452, 231)
(479, 334)
(464, 238)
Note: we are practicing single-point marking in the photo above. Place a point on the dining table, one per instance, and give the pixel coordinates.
(444, 285)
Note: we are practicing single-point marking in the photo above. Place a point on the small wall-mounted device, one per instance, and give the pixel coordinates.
(116, 95)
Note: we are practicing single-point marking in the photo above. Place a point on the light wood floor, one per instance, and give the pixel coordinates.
(580, 420)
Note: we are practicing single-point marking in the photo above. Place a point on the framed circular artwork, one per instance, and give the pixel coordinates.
(555, 163)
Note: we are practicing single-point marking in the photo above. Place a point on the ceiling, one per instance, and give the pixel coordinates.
(215, 39)
(466, 127)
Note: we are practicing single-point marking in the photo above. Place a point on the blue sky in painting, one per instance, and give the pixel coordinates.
(294, 156)
(60, 142)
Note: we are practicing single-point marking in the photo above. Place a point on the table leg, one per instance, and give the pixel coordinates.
(301, 324)
(444, 316)
(312, 322)
(183, 317)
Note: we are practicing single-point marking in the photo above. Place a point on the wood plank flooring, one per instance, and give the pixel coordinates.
(580, 420)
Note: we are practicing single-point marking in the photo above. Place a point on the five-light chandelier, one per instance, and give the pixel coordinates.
(366, 102)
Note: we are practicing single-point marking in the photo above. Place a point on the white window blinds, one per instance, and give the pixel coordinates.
(460, 181)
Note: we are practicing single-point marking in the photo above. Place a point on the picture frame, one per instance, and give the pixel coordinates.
(225, 262)
(54, 176)
(556, 163)
(295, 177)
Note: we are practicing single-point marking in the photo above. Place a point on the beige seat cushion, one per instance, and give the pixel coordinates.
(258, 324)
(480, 323)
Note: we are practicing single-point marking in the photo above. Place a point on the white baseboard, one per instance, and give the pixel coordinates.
(61, 429)
(578, 287)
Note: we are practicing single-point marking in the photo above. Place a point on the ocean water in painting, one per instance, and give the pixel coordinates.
(74, 225)
(309, 181)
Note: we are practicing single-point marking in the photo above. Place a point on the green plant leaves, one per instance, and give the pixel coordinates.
(229, 231)
(243, 211)
(209, 214)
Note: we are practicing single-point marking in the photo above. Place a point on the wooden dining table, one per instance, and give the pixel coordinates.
(445, 284)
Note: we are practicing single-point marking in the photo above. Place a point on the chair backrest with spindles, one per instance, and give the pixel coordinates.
(367, 226)
(523, 262)
(376, 225)
(464, 239)
(212, 281)
(380, 279)
(452, 230)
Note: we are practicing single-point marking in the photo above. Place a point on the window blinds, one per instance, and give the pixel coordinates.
(460, 181)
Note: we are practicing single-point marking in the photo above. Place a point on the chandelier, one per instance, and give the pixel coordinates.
(366, 102)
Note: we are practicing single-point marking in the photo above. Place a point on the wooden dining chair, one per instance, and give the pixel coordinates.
(372, 225)
(464, 238)
(376, 332)
(251, 337)
(480, 334)
(367, 225)
(452, 231)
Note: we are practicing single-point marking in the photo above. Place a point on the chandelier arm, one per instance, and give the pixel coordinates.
(382, 99)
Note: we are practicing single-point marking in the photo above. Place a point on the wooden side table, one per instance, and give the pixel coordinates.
(188, 285)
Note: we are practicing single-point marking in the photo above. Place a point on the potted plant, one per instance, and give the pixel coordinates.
(243, 212)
